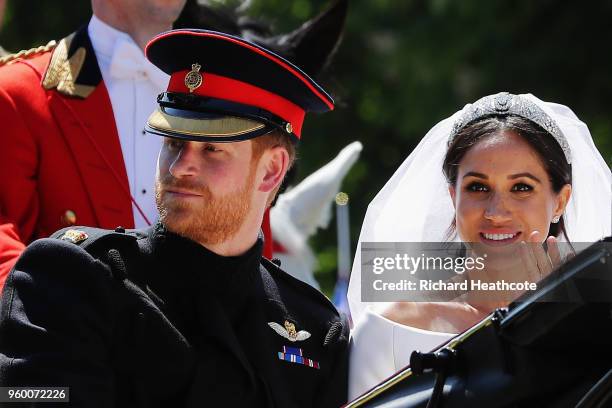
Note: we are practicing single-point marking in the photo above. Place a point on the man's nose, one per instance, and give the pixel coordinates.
(497, 209)
(185, 164)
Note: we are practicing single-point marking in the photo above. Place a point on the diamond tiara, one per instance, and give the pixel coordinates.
(505, 103)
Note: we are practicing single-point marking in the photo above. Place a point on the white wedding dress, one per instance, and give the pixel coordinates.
(381, 347)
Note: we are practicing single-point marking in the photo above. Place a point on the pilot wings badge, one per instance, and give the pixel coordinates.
(289, 331)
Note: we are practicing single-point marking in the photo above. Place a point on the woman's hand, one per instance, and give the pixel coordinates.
(540, 262)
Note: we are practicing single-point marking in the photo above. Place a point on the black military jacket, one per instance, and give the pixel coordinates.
(151, 319)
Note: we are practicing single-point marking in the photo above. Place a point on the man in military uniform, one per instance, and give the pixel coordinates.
(95, 310)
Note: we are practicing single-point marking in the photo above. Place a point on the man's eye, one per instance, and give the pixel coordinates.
(211, 148)
(477, 187)
(174, 144)
(521, 187)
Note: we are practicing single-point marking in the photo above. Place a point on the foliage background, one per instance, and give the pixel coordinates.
(404, 65)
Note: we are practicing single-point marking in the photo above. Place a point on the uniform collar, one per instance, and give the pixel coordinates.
(186, 274)
(195, 264)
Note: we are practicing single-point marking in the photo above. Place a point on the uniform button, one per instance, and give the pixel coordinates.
(144, 191)
(69, 218)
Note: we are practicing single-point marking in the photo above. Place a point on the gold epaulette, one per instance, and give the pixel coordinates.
(63, 72)
(27, 53)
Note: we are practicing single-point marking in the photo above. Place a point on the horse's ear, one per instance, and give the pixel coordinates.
(198, 14)
(311, 46)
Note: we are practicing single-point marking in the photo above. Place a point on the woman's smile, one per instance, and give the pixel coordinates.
(499, 237)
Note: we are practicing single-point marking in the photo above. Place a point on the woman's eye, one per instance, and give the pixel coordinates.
(521, 187)
(477, 187)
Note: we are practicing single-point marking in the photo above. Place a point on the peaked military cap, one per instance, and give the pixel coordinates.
(223, 88)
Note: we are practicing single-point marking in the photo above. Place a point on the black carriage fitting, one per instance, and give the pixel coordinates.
(498, 316)
(436, 362)
(440, 362)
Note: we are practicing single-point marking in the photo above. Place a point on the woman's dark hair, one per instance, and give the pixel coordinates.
(548, 149)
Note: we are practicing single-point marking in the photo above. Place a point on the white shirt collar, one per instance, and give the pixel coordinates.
(104, 37)
(107, 41)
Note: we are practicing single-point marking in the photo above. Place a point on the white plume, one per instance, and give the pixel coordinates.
(308, 206)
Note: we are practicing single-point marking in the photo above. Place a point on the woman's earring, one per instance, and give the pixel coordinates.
(555, 219)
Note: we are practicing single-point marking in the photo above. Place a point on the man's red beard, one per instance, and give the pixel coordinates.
(204, 219)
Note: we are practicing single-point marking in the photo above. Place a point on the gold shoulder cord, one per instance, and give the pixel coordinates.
(25, 54)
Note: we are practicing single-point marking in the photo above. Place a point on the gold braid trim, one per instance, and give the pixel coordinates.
(25, 54)
(63, 71)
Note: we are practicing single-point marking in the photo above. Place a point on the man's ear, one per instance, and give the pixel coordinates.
(452, 192)
(274, 162)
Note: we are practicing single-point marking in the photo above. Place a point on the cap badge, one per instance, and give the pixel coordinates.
(289, 331)
(74, 236)
(193, 79)
(288, 127)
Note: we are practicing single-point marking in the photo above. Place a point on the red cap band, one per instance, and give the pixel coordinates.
(220, 87)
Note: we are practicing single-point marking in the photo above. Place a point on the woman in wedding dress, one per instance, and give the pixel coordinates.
(503, 171)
